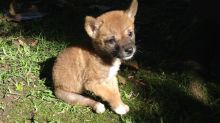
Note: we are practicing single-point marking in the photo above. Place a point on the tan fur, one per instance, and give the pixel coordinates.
(87, 67)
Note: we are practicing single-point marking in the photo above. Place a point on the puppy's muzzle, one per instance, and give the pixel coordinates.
(127, 51)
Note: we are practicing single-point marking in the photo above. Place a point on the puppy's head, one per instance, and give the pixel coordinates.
(112, 33)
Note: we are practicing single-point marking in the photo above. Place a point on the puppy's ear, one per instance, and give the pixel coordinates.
(132, 10)
(92, 26)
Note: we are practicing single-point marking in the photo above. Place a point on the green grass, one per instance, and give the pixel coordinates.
(154, 95)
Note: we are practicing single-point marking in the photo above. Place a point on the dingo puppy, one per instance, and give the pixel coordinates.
(93, 67)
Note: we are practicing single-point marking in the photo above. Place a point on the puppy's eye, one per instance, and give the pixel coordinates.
(111, 41)
(130, 34)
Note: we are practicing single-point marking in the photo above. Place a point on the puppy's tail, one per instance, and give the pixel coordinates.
(77, 99)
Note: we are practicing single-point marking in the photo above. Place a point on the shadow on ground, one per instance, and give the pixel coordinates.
(46, 72)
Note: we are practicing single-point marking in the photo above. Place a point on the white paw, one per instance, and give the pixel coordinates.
(99, 108)
(121, 109)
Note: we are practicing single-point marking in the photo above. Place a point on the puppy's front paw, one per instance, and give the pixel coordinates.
(121, 109)
(99, 108)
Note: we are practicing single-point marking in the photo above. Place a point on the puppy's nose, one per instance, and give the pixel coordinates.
(129, 50)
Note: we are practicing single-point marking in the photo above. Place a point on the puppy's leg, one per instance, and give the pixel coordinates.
(109, 92)
(74, 98)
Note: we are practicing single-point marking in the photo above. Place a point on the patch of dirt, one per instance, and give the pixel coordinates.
(8, 105)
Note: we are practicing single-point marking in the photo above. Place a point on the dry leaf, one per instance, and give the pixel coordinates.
(25, 42)
(121, 79)
(132, 64)
(130, 77)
